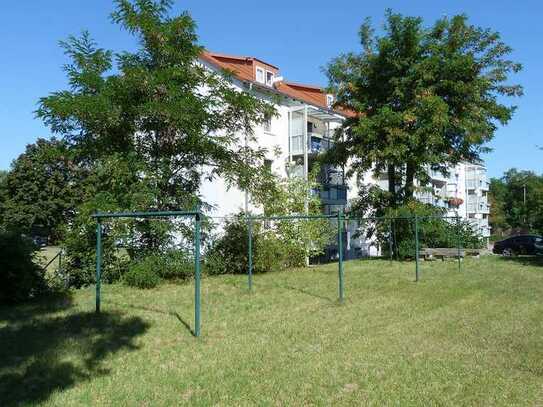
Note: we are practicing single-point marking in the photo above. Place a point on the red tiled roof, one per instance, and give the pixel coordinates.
(244, 68)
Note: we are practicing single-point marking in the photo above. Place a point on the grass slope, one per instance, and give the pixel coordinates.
(455, 338)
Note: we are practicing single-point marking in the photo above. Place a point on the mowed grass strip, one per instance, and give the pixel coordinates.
(472, 337)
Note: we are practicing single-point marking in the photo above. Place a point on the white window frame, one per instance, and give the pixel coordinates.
(259, 69)
(270, 83)
(329, 100)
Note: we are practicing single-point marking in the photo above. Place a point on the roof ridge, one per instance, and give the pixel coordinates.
(244, 58)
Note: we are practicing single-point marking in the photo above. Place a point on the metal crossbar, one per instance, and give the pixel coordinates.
(148, 214)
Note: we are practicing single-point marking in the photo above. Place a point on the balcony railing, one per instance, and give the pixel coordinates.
(478, 205)
(437, 176)
(316, 143)
(478, 183)
(331, 175)
(429, 198)
(477, 179)
(331, 194)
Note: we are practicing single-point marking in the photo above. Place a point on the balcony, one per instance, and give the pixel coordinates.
(437, 177)
(431, 199)
(332, 194)
(330, 175)
(478, 204)
(316, 143)
(477, 179)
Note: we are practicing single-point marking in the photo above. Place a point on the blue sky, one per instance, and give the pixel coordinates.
(300, 37)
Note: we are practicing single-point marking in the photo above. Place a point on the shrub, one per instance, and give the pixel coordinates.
(172, 264)
(270, 253)
(20, 278)
(228, 253)
(143, 274)
(279, 245)
(433, 230)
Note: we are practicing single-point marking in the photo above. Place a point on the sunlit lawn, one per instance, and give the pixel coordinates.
(473, 337)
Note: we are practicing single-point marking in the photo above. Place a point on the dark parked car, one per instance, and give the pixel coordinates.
(40, 241)
(524, 244)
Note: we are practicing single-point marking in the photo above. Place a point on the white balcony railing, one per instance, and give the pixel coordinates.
(316, 143)
(429, 198)
(437, 176)
(478, 205)
(477, 179)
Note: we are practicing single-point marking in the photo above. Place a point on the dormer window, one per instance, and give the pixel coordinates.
(260, 75)
(269, 78)
(329, 100)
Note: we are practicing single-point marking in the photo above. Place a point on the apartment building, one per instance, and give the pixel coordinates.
(303, 128)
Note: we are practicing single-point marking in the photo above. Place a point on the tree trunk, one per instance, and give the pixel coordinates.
(409, 189)
(392, 182)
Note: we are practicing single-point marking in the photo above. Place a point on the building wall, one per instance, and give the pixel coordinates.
(228, 200)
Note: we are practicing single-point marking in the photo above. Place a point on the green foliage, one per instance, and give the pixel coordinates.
(228, 254)
(434, 231)
(277, 244)
(3, 196)
(142, 274)
(149, 125)
(41, 190)
(171, 264)
(508, 210)
(153, 106)
(149, 270)
(113, 184)
(20, 278)
(425, 97)
(289, 196)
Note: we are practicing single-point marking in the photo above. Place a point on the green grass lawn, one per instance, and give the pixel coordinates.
(473, 337)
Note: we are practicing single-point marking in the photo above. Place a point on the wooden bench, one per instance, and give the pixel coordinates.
(432, 253)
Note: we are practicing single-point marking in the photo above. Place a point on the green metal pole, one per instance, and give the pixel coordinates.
(340, 250)
(98, 263)
(197, 276)
(416, 248)
(459, 242)
(250, 253)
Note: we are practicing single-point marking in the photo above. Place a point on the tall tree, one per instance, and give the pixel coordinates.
(158, 104)
(519, 195)
(3, 195)
(150, 126)
(424, 97)
(41, 191)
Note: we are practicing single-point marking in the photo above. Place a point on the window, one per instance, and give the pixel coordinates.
(269, 78)
(259, 74)
(267, 123)
(329, 100)
(268, 165)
